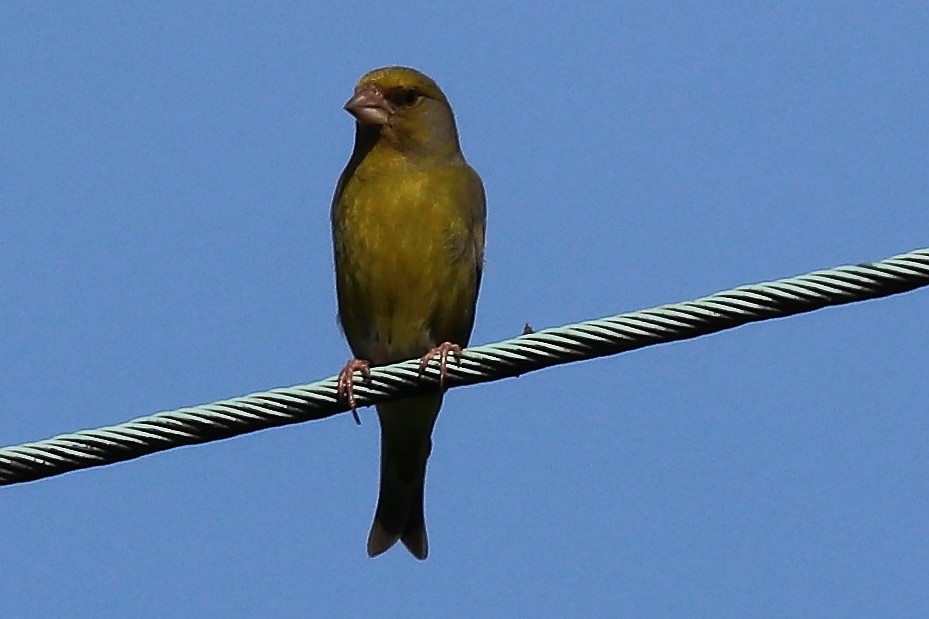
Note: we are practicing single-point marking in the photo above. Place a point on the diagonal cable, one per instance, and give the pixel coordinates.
(479, 364)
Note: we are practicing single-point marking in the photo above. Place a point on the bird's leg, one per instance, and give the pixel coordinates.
(346, 391)
(441, 351)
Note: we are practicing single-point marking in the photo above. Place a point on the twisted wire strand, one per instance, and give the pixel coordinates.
(479, 364)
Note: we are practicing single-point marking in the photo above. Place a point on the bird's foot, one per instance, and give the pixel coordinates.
(441, 351)
(346, 390)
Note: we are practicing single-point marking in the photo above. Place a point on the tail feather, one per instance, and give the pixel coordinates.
(414, 534)
(406, 429)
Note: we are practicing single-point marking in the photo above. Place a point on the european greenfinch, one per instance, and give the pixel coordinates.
(408, 221)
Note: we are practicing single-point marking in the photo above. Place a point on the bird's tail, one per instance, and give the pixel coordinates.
(406, 440)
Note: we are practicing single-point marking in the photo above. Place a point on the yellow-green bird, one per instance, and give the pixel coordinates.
(408, 220)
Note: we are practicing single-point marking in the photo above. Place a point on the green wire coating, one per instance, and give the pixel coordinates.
(479, 364)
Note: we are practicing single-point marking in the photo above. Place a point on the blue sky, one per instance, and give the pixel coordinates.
(165, 180)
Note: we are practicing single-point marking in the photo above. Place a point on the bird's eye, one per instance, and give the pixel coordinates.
(404, 97)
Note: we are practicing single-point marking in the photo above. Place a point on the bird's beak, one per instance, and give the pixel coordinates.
(369, 106)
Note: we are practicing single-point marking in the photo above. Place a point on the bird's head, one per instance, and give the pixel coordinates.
(404, 110)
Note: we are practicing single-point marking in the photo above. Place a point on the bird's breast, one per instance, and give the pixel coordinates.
(401, 279)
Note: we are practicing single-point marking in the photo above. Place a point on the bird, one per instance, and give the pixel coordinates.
(408, 228)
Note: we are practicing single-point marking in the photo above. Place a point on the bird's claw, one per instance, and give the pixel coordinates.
(441, 351)
(346, 389)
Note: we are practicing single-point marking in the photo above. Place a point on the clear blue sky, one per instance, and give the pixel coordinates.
(165, 178)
